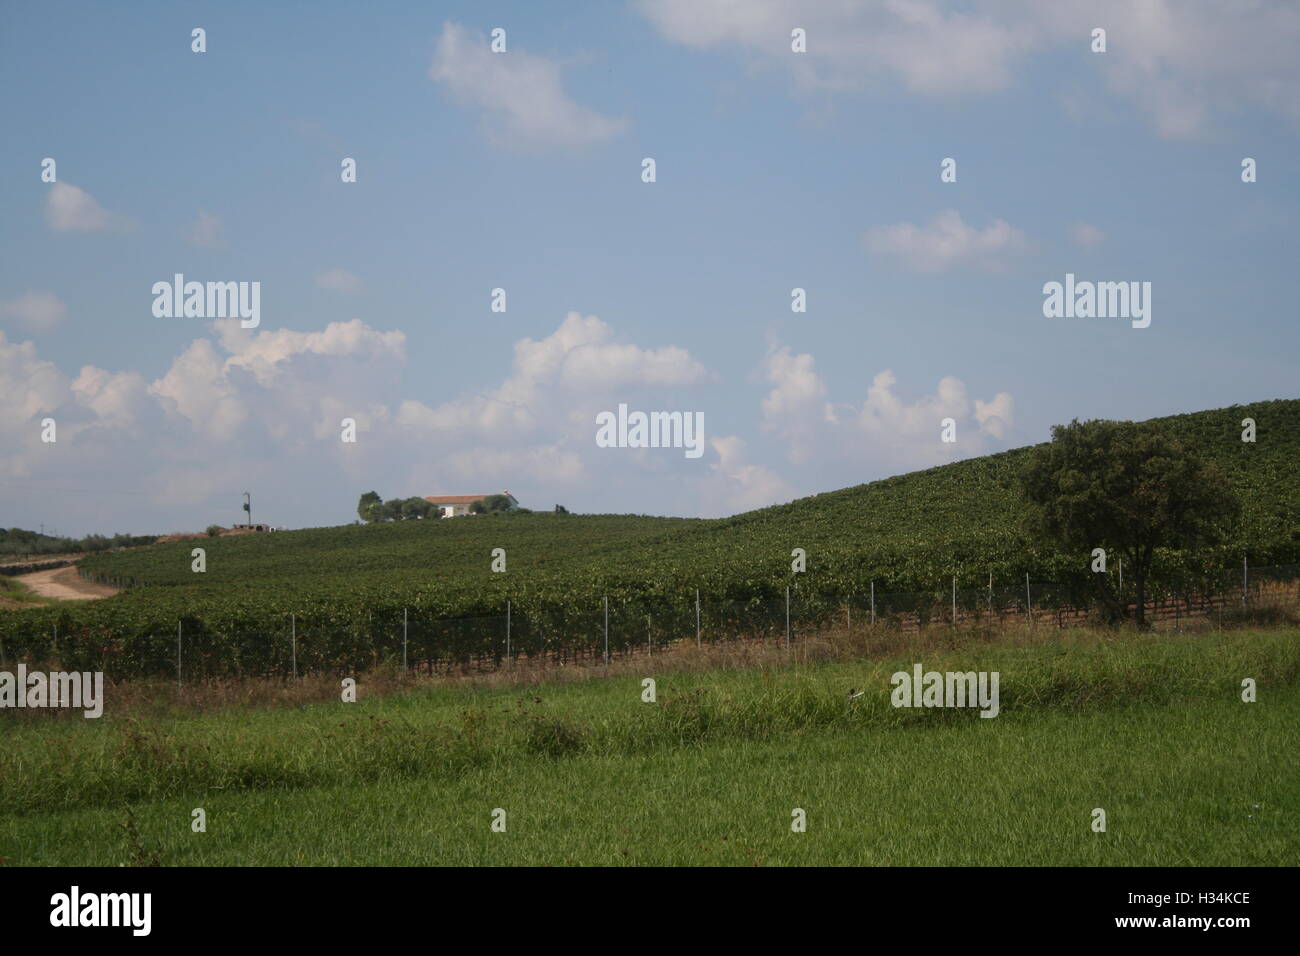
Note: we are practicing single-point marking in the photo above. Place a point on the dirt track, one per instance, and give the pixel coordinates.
(63, 584)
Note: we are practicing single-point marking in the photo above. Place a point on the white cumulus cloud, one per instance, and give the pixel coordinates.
(35, 311)
(521, 94)
(885, 432)
(948, 242)
(69, 208)
(735, 484)
(551, 377)
(1183, 65)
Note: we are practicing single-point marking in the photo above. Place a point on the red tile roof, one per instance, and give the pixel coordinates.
(459, 499)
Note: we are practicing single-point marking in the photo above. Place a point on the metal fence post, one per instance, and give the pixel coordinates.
(1029, 601)
(178, 653)
(954, 600)
(606, 632)
(873, 603)
(508, 630)
(787, 615)
(404, 623)
(649, 637)
(293, 634)
(1245, 580)
(697, 617)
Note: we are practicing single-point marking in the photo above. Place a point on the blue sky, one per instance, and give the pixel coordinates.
(522, 170)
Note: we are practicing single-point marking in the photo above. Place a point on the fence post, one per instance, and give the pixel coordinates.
(954, 600)
(787, 615)
(507, 630)
(990, 592)
(293, 634)
(404, 621)
(1121, 581)
(873, 603)
(649, 638)
(697, 617)
(1029, 601)
(1245, 580)
(607, 632)
(178, 653)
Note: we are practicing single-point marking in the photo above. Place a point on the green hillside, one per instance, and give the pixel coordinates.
(910, 533)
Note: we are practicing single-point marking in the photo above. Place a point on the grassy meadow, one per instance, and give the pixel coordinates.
(1151, 728)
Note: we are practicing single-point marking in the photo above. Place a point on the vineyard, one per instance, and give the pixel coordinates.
(349, 596)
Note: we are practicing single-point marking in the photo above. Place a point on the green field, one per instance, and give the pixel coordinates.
(1151, 729)
(348, 586)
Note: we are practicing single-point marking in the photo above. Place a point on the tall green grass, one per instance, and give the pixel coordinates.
(58, 764)
(1198, 782)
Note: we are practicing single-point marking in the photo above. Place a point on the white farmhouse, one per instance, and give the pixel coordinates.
(453, 506)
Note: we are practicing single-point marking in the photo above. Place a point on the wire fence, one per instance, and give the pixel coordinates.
(320, 643)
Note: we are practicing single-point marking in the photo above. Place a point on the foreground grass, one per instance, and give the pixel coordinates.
(1185, 784)
(1152, 729)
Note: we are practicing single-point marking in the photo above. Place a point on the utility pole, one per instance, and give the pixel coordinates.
(248, 506)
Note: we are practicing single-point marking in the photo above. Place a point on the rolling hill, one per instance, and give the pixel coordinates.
(909, 533)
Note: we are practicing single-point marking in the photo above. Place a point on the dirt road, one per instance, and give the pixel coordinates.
(63, 584)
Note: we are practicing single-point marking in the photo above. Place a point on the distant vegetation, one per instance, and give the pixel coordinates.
(373, 509)
(16, 541)
(910, 533)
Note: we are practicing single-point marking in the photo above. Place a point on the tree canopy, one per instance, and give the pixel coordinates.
(490, 504)
(1128, 489)
(371, 508)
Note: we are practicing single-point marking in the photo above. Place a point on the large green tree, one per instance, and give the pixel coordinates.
(1129, 489)
(416, 508)
(491, 504)
(368, 508)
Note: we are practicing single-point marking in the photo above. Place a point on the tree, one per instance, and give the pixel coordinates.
(415, 508)
(368, 507)
(1127, 488)
(490, 504)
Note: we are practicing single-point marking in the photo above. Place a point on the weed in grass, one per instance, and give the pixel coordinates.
(136, 852)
